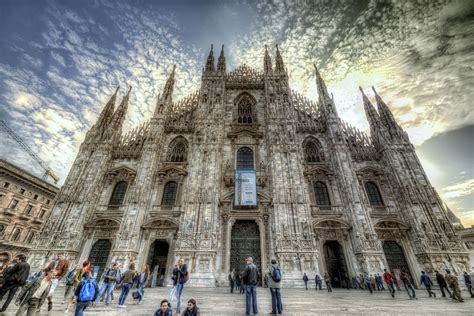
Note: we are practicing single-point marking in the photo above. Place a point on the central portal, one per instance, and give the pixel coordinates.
(157, 257)
(335, 263)
(245, 242)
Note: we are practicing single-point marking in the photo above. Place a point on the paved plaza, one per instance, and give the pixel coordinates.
(217, 301)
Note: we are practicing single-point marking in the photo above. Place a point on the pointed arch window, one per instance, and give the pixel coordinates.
(246, 109)
(169, 193)
(245, 159)
(313, 152)
(373, 193)
(16, 234)
(118, 194)
(178, 150)
(321, 194)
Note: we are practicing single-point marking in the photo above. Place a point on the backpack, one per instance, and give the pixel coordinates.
(70, 277)
(276, 274)
(87, 291)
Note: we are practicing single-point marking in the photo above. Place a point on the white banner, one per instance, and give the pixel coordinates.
(245, 188)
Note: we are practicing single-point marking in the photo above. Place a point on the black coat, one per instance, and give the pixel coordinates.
(440, 279)
(17, 274)
(251, 275)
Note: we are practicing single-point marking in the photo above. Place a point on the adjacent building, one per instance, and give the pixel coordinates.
(245, 166)
(25, 205)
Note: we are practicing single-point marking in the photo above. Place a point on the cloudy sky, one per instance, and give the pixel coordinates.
(61, 60)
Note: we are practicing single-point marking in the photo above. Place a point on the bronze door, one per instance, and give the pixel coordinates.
(245, 242)
(395, 256)
(100, 254)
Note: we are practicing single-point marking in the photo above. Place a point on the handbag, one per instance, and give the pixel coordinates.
(136, 295)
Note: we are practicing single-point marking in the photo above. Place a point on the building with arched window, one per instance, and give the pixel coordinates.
(245, 166)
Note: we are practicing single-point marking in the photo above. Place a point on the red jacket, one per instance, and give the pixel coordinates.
(388, 278)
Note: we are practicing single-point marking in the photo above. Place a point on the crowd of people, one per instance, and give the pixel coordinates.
(84, 289)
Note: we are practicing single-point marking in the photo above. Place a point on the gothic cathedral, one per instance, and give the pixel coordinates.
(247, 167)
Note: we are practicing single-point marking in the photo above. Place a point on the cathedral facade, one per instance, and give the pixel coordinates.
(244, 167)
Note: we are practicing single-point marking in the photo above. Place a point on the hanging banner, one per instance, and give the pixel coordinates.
(245, 188)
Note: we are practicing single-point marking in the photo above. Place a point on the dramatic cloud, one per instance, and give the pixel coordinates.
(59, 67)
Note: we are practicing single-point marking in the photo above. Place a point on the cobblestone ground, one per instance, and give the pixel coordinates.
(218, 301)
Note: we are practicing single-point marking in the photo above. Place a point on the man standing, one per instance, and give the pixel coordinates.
(368, 282)
(305, 279)
(59, 267)
(426, 280)
(251, 277)
(468, 282)
(14, 277)
(86, 293)
(406, 279)
(453, 283)
(180, 272)
(110, 277)
(32, 296)
(388, 279)
(442, 284)
(318, 282)
(232, 280)
(274, 283)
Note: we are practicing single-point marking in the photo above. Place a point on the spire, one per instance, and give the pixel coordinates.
(279, 65)
(167, 94)
(119, 115)
(386, 115)
(321, 85)
(267, 61)
(210, 61)
(106, 114)
(371, 114)
(221, 62)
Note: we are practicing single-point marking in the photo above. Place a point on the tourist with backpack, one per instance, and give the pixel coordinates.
(127, 282)
(86, 293)
(73, 278)
(274, 283)
(110, 277)
(14, 278)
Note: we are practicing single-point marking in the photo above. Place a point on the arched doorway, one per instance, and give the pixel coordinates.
(99, 255)
(335, 263)
(395, 256)
(157, 258)
(245, 242)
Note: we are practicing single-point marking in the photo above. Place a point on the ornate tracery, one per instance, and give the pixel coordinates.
(246, 103)
(178, 150)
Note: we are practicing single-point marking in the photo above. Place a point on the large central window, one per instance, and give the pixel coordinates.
(246, 103)
(245, 159)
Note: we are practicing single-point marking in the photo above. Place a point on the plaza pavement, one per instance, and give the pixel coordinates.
(218, 301)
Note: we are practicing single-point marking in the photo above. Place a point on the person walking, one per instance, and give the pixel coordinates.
(127, 281)
(453, 283)
(238, 281)
(373, 282)
(468, 282)
(13, 278)
(327, 280)
(32, 295)
(242, 285)
(406, 279)
(317, 282)
(59, 267)
(274, 283)
(110, 278)
(191, 309)
(367, 280)
(142, 279)
(442, 284)
(305, 280)
(232, 280)
(86, 293)
(180, 272)
(389, 279)
(379, 280)
(164, 310)
(251, 277)
(73, 278)
(426, 281)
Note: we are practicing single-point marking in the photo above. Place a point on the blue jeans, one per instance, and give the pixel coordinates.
(306, 284)
(123, 296)
(80, 307)
(391, 288)
(277, 307)
(251, 291)
(141, 291)
(106, 288)
(176, 291)
(409, 286)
